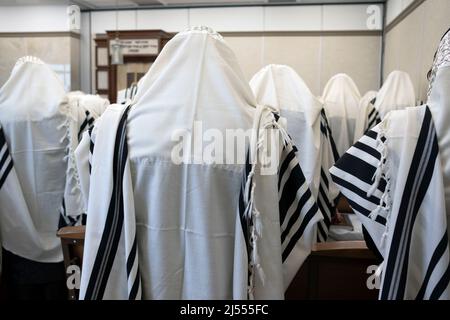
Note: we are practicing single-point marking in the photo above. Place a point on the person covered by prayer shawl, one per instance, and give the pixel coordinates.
(83, 110)
(393, 178)
(342, 105)
(34, 147)
(281, 88)
(176, 209)
(396, 93)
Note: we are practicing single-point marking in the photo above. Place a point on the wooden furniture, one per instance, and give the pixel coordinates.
(72, 241)
(334, 270)
(106, 74)
(343, 206)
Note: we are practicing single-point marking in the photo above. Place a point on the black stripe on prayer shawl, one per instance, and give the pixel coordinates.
(114, 221)
(299, 233)
(131, 261)
(290, 197)
(437, 255)
(325, 203)
(418, 180)
(242, 205)
(135, 288)
(372, 134)
(354, 165)
(360, 176)
(289, 192)
(364, 147)
(91, 148)
(6, 162)
(441, 285)
(246, 223)
(374, 117)
(87, 123)
(329, 134)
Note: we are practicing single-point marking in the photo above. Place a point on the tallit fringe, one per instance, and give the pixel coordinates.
(383, 171)
(26, 59)
(204, 29)
(72, 169)
(251, 210)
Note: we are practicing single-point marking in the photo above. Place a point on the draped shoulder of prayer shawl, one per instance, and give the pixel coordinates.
(396, 93)
(393, 180)
(342, 104)
(439, 104)
(34, 173)
(281, 88)
(275, 165)
(155, 188)
(371, 115)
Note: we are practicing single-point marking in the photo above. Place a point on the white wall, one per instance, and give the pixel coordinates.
(394, 8)
(33, 18)
(410, 45)
(240, 19)
(258, 19)
(234, 19)
(85, 57)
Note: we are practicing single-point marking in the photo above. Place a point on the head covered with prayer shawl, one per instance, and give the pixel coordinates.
(33, 124)
(396, 93)
(44, 91)
(195, 78)
(281, 88)
(342, 99)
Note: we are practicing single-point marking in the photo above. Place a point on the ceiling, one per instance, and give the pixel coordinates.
(111, 4)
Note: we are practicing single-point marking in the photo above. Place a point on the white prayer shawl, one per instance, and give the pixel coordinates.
(372, 117)
(369, 97)
(82, 111)
(393, 180)
(439, 104)
(34, 173)
(342, 106)
(175, 232)
(298, 211)
(396, 93)
(281, 88)
(125, 96)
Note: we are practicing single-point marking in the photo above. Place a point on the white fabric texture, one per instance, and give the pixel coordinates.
(369, 97)
(396, 93)
(281, 88)
(298, 211)
(182, 215)
(394, 184)
(439, 104)
(342, 105)
(81, 111)
(34, 127)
